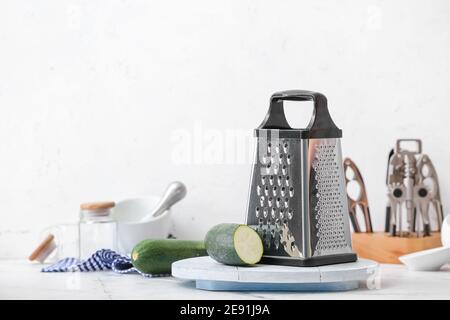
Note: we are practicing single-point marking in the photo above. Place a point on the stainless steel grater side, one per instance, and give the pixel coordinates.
(297, 199)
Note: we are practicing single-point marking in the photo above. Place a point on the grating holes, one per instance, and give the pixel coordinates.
(280, 181)
(278, 202)
(261, 201)
(276, 241)
(273, 213)
(267, 241)
(291, 191)
(276, 168)
(293, 246)
(290, 214)
(329, 205)
(263, 180)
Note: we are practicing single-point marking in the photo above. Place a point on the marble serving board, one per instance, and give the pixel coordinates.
(211, 275)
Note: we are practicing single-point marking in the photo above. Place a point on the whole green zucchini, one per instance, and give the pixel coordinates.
(156, 256)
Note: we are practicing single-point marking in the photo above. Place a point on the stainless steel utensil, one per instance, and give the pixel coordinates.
(413, 185)
(352, 174)
(427, 179)
(297, 199)
(174, 193)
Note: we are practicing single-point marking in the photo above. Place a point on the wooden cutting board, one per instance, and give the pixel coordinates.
(211, 275)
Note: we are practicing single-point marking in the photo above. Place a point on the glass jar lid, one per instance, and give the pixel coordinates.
(96, 209)
(97, 206)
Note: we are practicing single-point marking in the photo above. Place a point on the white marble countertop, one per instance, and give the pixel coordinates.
(22, 280)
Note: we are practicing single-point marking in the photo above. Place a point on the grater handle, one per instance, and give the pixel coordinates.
(320, 126)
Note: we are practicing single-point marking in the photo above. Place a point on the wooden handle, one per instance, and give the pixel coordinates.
(41, 247)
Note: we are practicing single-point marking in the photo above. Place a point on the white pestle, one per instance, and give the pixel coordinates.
(174, 193)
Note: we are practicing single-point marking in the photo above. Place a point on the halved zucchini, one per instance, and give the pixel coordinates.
(234, 244)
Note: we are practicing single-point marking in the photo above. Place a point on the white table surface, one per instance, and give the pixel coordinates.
(23, 280)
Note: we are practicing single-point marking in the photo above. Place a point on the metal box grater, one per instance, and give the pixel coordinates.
(298, 200)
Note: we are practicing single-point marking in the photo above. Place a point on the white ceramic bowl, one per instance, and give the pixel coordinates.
(130, 231)
(427, 260)
(445, 231)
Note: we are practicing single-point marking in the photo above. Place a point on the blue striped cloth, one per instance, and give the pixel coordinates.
(103, 259)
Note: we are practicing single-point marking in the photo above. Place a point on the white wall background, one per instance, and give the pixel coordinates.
(91, 93)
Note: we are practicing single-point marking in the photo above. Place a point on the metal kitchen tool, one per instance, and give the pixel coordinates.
(412, 185)
(427, 189)
(297, 200)
(353, 175)
(174, 193)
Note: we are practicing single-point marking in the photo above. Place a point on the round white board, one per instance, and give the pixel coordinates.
(211, 275)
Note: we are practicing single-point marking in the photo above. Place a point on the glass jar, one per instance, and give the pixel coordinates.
(65, 241)
(97, 228)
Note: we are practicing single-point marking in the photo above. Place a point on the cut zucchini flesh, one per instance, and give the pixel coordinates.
(248, 244)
